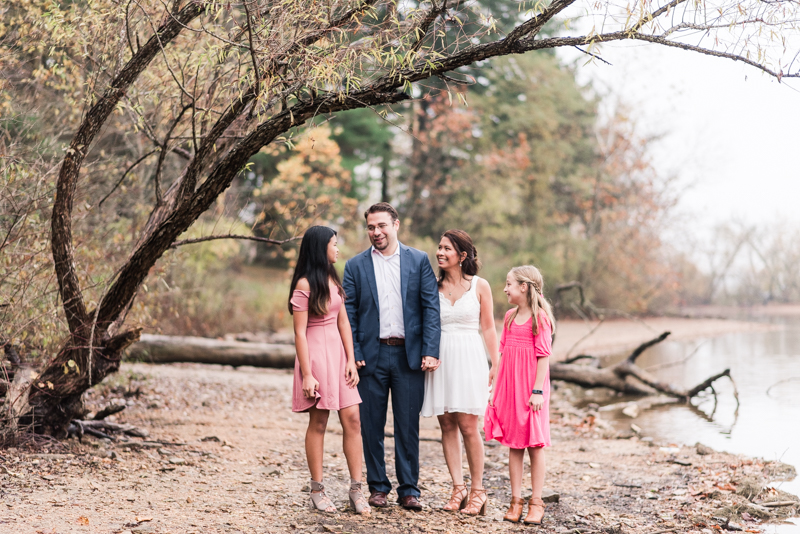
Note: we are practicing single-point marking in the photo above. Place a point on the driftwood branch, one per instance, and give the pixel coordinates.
(108, 410)
(627, 377)
(574, 359)
(644, 346)
(104, 429)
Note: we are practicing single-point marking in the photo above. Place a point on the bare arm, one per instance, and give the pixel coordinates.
(543, 349)
(351, 371)
(536, 401)
(542, 364)
(300, 320)
(487, 326)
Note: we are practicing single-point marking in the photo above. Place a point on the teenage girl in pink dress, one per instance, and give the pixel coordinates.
(518, 415)
(325, 374)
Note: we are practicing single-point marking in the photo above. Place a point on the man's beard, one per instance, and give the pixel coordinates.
(383, 246)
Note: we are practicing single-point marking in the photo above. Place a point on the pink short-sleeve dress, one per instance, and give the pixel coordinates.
(510, 420)
(328, 358)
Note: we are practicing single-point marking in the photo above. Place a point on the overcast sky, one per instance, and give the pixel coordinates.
(731, 134)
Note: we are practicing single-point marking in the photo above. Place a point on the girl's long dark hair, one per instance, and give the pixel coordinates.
(313, 265)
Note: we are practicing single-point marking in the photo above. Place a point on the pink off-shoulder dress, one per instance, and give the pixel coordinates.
(510, 420)
(328, 358)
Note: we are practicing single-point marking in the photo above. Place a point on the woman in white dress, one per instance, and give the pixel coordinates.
(458, 391)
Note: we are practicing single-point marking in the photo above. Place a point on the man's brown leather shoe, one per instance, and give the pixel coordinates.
(409, 502)
(378, 499)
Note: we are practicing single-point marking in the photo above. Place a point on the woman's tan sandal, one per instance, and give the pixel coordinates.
(319, 500)
(535, 512)
(357, 501)
(514, 510)
(458, 498)
(477, 502)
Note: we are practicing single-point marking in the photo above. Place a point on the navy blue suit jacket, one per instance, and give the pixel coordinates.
(420, 307)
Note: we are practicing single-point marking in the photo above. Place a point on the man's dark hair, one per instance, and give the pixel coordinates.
(384, 207)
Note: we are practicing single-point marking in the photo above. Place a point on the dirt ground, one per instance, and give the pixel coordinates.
(225, 454)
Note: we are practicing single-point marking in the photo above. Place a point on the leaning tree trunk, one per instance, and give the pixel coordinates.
(92, 352)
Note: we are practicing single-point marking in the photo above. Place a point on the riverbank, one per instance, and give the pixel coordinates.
(225, 454)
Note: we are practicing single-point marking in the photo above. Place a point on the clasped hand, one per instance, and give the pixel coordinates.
(429, 363)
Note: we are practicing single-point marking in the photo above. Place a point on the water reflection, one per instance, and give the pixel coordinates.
(766, 369)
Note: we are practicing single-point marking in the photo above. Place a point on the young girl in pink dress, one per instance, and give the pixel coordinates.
(518, 414)
(325, 374)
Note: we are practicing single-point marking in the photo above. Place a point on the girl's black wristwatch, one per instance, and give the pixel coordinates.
(537, 392)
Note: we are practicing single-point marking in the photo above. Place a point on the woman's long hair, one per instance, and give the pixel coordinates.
(313, 265)
(530, 275)
(462, 242)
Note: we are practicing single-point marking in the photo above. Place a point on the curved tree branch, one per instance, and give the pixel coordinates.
(61, 223)
(266, 240)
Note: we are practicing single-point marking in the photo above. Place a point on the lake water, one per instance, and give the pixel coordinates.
(766, 369)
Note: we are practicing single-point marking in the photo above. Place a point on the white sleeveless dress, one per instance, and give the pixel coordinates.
(461, 383)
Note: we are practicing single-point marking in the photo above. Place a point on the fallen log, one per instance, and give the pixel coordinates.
(627, 377)
(172, 349)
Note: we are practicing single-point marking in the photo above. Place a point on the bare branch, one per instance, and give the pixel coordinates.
(707, 382)
(124, 174)
(644, 346)
(655, 14)
(249, 28)
(266, 240)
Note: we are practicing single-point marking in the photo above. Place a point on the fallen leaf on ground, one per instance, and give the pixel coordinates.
(83, 520)
(143, 519)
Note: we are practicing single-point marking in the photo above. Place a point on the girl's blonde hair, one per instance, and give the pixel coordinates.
(530, 275)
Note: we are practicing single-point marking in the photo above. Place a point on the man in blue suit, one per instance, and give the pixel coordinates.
(393, 305)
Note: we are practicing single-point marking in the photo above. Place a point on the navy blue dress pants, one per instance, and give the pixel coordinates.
(407, 387)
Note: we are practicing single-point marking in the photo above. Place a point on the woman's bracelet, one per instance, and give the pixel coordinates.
(537, 392)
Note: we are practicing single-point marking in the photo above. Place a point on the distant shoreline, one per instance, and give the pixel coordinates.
(741, 312)
(614, 336)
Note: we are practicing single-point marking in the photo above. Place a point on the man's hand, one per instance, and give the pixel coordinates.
(429, 363)
(360, 363)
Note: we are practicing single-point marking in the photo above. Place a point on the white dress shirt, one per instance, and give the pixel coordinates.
(390, 300)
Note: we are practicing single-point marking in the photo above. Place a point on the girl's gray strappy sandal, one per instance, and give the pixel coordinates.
(357, 501)
(319, 500)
